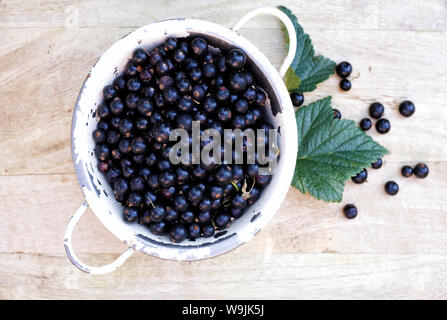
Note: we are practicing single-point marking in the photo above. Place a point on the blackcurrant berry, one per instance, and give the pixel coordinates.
(406, 171)
(392, 188)
(383, 126)
(297, 99)
(360, 177)
(421, 170)
(407, 108)
(350, 211)
(344, 69)
(365, 124)
(376, 110)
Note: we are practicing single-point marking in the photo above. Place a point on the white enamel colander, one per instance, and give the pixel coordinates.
(97, 191)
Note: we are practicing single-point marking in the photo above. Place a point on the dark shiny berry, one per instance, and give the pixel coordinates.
(407, 108)
(112, 175)
(171, 214)
(162, 67)
(204, 217)
(198, 92)
(198, 172)
(149, 199)
(222, 220)
(344, 69)
(99, 136)
(120, 186)
(153, 182)
(209, 70)
(138, 145)
(337, 114)
(157, 228)
(167, 179)
(223, 175)
(109, 92)
(237, 82)
(140, 57)
(145, 107)
(137, 184)
(170, 95)
(224, 114)
(264, 180)
(205, 204)
(177, 233)
(150, 159)
(350, 211)
(132, 100)
(421, 170)
(345, 85)
(365, 124)
(250, 94)
(194, 230)
(237, 173)
(119, 83)
(406, 171)
(209, 104)
(253, 195)
(261, 99)
(102, 152)
(130, 214)
(103, 111)
(135, 199)
(239, 201)
(145, 76)
(241, 106)
(133, 84)
(392, 188)
(377, 164)
(376, 110)
(195, 74)
(128, 172)
(103, 166)
(199, 46)
(297, 99)
(207, 231)
(187, 216)
(168, 192)
(131, 69)
(236, 58)
(222, 93)
(141, 124)
(360, 177)
(126, 127)
(184, 86)
(161, 132)
(181, 203)
(170, 44)
(184, 121)
(179, 56)
(216, 192)
(157, 213)
(383, 126)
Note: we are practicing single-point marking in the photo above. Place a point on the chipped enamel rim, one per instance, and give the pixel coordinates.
(99, 194)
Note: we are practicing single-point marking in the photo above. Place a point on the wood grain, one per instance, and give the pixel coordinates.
(395, 248)
(231, 276)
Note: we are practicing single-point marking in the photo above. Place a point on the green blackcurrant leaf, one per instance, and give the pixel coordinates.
(330, 151)
(292, 81)
(310, 69)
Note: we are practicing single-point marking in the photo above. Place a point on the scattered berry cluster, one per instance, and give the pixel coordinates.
(168, 87)
(344, 70)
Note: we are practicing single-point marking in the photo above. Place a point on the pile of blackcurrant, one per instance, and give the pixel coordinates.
(168, 87)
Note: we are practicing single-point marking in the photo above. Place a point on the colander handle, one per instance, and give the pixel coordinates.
(75, 260)
(287, 23)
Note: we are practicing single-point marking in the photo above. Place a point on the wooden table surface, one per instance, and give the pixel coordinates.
(395, 248)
